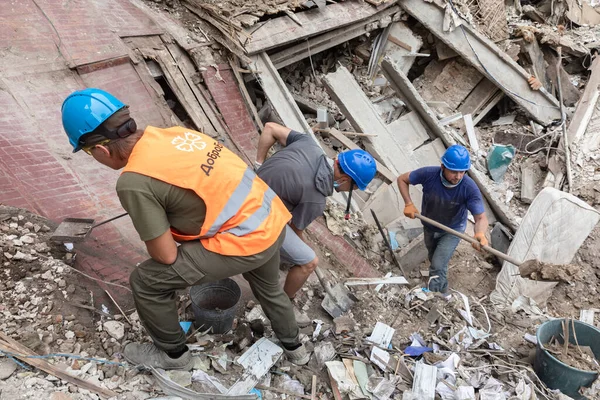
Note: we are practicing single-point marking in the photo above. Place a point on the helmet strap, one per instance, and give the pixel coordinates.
(347, 215)
(127, 128)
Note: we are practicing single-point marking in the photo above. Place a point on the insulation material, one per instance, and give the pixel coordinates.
(552, 231)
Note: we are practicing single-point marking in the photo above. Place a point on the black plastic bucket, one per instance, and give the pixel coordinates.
(556, 374)
(214, 304)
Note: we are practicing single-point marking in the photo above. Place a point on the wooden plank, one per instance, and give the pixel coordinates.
(280, 31)
(486, 57)
(9, 345)
(187, 68)
(278, 94)
(343, 139)
(471, 133)
(479, 96)
(154, 49)
(328, 40)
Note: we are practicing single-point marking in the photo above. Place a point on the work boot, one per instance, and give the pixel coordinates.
(151, 356)
(298, 356)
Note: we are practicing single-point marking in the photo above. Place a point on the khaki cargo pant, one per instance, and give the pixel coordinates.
(154, 285)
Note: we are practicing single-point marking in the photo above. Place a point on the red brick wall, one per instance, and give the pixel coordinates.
(232, 107)
(344, 253)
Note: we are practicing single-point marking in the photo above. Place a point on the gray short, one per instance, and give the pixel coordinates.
(294, 250)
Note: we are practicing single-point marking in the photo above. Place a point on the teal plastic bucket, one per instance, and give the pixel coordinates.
(553, 372)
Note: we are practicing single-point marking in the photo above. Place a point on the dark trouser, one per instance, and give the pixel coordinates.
(441, 246)
(154, 285)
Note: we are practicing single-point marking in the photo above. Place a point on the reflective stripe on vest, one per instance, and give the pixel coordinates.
(234, 204)
(257, 218)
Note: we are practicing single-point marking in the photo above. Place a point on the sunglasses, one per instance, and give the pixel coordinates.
(88, 149)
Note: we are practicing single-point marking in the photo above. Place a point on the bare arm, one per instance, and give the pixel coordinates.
(163, 249)
(299, 232)
(403, 184)
(481, 223)
(271, 133)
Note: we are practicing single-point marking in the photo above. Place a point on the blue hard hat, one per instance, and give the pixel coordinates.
(84, 110)
(359, 165)
(456, 158)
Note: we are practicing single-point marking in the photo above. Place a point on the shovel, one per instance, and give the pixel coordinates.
(73, 230)
(338, 299)
(522, 265)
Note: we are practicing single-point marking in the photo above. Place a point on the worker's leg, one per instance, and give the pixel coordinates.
(295, 251)
(445, 245)
(264, 282)
(430, 242)
(154, 284)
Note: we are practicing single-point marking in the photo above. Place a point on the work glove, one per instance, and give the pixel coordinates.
(534, 83)
(480, 236)
(410, 210)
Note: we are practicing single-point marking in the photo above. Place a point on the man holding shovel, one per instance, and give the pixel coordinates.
(181, 186)
(447, 196)
(304, 177)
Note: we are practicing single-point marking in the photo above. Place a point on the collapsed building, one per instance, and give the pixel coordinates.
(403, 80)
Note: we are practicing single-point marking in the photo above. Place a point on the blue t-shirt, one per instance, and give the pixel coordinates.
(447, 206)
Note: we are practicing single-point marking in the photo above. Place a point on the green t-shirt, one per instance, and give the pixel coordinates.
(154, 206)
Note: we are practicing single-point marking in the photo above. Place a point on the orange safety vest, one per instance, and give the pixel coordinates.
(243, 215)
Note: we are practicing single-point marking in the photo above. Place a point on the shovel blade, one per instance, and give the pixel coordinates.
(72, 230)
(338, 300)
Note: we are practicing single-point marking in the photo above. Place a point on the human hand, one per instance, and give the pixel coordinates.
(410, 210)
(480, 236)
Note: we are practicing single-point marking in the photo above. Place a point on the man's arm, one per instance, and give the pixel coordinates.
(403, 184)
(163, 249)
(271, 133)
(481, 225)
(299, 232)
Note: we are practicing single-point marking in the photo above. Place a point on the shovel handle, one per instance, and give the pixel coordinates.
(108, 220)
(323, 281)
(469, 239)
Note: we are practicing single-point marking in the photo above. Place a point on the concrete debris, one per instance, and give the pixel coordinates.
(7, 367)
(115, 329)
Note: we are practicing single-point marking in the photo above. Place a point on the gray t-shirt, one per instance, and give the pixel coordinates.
(301, 176)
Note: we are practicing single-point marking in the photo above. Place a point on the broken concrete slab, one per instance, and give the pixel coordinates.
(363, 116)
(328, 40)
(450, 80)
(586, 106)
(488, 59)
(278, 94)
(569, 91)
(478, 98)
(531, 176)
(280, 31)
(414, 254)
(408, 130)
(399, 31)
(443, 51)
(430, 153)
